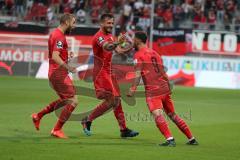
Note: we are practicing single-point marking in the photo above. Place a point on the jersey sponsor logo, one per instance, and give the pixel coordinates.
(100, 40)
(59, 44)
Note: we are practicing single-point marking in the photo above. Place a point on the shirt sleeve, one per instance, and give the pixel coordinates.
(58, 44)
(101, 40)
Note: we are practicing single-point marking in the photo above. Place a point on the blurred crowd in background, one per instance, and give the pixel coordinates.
(200, 14)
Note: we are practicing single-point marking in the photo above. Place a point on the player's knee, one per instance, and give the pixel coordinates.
(171, 115)
(117, 101)
(113, 102)
(157, 112)
(74, 101)
(109, 103)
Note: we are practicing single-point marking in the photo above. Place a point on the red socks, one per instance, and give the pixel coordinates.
(64, 116)
(119, 114)
(48, 109)
(182, 126)
(98, 111)
(163, 126)
(102, 108)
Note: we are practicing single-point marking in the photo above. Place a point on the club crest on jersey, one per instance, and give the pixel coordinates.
(100, 40)
(59, 44)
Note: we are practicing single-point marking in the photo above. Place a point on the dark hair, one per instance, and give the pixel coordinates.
(66, 17)
(141, 36)
(106, 15)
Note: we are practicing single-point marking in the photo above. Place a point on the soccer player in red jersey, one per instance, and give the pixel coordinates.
(149, 66)
(105, 83)
(58, 77)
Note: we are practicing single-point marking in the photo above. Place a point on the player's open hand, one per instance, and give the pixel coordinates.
(124, 48)
(121, 38)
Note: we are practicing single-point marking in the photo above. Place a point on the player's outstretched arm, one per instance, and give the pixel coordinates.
(126, 44)
(112, 45)
(59, 61)
(135, 84)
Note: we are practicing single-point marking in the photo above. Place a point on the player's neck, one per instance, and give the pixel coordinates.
(140, 46)
(62, 29)
(102, 30)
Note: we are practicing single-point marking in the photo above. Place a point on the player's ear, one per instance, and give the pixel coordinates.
(136, 41)
(68, 22)
(74, 21)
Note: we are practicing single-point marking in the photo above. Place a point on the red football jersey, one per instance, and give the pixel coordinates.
(154, 77)
(102, 58)
(57, 42)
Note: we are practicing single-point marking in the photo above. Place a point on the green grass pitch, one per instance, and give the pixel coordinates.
(212, 114)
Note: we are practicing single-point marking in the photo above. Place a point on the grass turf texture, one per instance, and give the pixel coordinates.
(214, 120)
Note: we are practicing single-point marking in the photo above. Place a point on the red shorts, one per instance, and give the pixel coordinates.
(63, 86)
(106, 86)
(161, 102)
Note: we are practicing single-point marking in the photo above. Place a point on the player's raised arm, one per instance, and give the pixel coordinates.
(110, 46)
(59, 61)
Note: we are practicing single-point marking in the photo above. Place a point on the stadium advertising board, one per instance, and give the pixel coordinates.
(216, 42)
(187, 71)
(204, 72)
(172, 42)
(23, 55)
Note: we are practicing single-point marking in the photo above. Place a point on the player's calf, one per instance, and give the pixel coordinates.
(162, 124)
(163, 128)
(181, 124)
(107, 105)
(64, 116)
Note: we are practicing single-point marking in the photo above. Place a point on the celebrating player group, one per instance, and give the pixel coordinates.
(148, 67)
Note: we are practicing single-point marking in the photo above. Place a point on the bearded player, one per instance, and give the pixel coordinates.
(149, 66)
(58, 77)
(105, 83)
